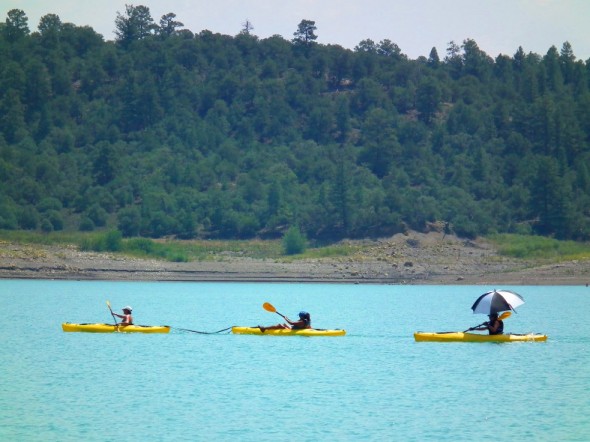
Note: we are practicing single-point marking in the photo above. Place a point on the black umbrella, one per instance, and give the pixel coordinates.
(497, 301)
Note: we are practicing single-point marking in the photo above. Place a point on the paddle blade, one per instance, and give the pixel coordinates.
(109, 305)
(504, 315)
(269, 307)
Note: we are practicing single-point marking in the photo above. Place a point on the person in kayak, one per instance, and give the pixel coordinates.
(494, 326)
(126, 317)
(304, 322)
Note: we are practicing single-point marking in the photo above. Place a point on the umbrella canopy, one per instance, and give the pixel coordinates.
(497, 301)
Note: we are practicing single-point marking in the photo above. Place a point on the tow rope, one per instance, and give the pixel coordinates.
(202, 332)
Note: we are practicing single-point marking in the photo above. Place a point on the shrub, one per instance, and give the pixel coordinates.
(113, 241)
(55, 218)
(29, 218)
(86, 225)
(294, 241)
(129, 221)
(46, 226)
(109, 242)
(177, 257)
(98, 215)
(7, 219)
(49, 203)
(144, 245)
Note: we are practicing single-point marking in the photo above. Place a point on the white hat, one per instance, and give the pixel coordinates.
(128, 308)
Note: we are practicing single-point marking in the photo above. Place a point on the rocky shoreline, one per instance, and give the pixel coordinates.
(415, 258)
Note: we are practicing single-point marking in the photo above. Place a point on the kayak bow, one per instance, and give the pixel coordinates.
(474, 337)
(110, 328)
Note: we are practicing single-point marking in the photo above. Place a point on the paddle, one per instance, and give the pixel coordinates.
(270, 308)
(112, 314)
(501, 318)
(504, 315)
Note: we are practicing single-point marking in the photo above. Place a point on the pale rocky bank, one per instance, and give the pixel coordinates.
(414, 258)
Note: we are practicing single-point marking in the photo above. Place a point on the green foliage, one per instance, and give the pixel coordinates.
(129, 221)
(28, 218)
(30, 237)
(165, 133)
(97, 215)
(46, 226)
(16, 26)
(175, 251)
(428, 96)
(8, 215)
(538, 247)
(86, 225)
(113, 241)
(49, 203)
(55, 218)
(294, 242)
(103, 242)
(141, 245)
(305, 34)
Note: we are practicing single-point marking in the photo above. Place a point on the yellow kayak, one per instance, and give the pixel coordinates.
(110, 328)
(474, 337)
(287, 332)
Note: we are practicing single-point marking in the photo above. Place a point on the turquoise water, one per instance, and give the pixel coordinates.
(375, 383)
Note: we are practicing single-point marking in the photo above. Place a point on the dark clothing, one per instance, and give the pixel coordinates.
(301, 324)
(499, 330)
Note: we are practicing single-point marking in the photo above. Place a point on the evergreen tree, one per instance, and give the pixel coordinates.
(136, 24)
(433, 58)
(17, 26)
(168, 25)
(305, 34)
(428, 96)
(294, 241)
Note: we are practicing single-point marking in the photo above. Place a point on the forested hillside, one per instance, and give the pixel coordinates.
(166, 132)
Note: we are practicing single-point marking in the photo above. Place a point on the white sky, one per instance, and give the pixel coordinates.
(497, 26)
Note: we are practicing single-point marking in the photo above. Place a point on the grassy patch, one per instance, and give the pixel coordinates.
(169, 250)
(539, 247)
(173, 250)
(217, 250)
(52, 238)
(332, 251)
(526, 247)
(199, 250)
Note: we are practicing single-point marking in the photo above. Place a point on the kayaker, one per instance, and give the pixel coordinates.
(494, 326)
(126, 317)
(304, 322)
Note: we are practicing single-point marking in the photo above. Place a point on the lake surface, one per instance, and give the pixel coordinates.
(375, 383)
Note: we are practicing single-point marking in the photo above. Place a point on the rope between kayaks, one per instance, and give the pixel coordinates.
(202, 332)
